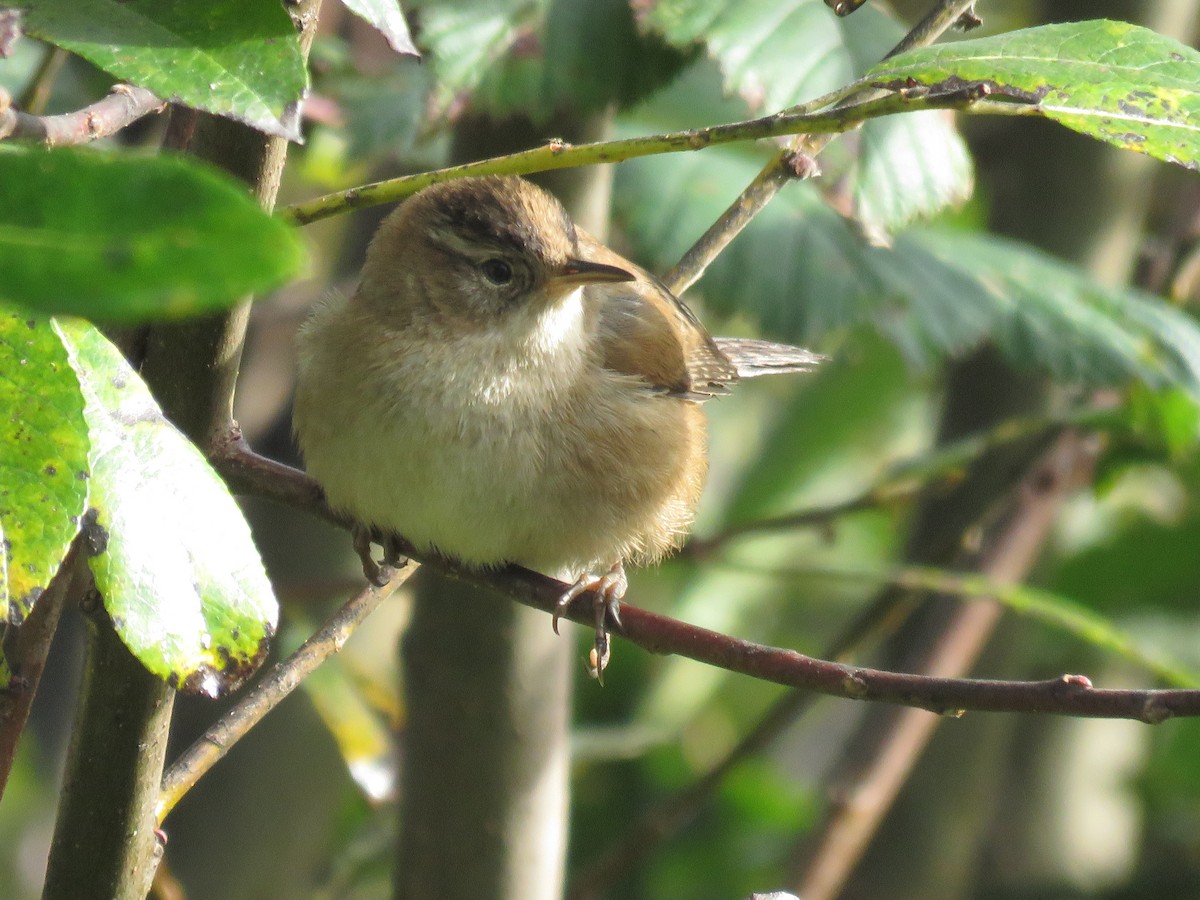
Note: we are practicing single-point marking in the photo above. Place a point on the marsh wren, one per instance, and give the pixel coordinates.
(503, 388)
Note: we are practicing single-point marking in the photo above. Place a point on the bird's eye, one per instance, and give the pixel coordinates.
(497, 271)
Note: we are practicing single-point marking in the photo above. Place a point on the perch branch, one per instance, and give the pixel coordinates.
(1071, 695)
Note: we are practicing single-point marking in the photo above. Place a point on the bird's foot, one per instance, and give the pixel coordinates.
(608, 588)
(378, 573)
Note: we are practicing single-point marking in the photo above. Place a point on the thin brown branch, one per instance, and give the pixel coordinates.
(1071, 695)
(270, 691)
(26, 654)
(124, 105)
(907, 478)
(796, 160)
(886, 749)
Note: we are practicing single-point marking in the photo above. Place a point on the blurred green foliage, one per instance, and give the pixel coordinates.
(850, 263)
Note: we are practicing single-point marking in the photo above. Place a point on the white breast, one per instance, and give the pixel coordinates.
(452, 452)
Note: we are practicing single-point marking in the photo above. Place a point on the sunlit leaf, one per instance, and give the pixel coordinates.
(173, 557)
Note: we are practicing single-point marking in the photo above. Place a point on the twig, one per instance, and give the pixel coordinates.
(267, 693)
(1069, 695)
(905, 479)
(35, 97)
(934, 24)
(559, 155)
(795, 160)
(124, 105)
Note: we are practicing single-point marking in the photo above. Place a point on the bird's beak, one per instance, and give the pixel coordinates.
(581, 271)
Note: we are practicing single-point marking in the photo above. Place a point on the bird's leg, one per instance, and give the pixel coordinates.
(393, 551)
(609, 588)
(362, 535)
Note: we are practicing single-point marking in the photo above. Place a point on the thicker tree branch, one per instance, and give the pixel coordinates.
(124, 105)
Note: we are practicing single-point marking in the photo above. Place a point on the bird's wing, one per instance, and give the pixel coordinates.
(647, 331)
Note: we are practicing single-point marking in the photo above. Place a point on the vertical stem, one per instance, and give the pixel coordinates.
(104, 841)
(485, 749)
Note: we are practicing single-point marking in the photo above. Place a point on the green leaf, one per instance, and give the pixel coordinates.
(181, 578)
(800, 272)
(1048, 311)
(778, 54)
(235, 58)
(43, 459)
(122, 238)
(1114, 81)
(466, 37)
(387, 17)
(539, 57)
(906, 168)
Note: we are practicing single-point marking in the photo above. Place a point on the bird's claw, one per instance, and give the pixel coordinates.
(608, 590)
(377, 573)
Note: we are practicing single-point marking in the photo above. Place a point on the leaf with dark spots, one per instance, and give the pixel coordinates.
(41, 444)
(1114, 81)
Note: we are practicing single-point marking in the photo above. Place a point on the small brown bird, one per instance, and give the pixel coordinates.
(503, 388)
